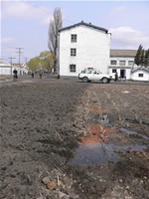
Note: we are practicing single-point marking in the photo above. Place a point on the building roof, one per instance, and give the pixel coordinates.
(85, 24)
(142, 69)
(122, 53)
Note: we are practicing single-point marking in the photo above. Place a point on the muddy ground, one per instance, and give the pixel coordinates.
(72, 140)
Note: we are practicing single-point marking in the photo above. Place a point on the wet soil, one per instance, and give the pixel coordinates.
(67, 139)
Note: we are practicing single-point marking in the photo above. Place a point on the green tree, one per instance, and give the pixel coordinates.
(44, 54)
(43, 61)
(33, 63)
(142, 57)
(146, 58)
(54, 26)
(138, 55)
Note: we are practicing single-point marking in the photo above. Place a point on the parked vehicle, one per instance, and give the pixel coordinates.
(91, 74)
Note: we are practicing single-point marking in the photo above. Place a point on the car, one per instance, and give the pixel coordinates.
(91, 74)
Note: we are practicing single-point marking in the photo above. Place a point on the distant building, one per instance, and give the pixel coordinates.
(140, 74)
(5, 69)
(22, 69)
(81, 46)
(122, 62)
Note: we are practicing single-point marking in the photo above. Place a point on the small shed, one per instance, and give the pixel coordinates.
(140, 74)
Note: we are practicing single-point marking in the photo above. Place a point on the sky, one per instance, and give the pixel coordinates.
(24, 24)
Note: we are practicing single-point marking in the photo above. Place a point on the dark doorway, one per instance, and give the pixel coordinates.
(123, 73)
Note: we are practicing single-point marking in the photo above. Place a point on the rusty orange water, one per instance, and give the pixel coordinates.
(98, 134)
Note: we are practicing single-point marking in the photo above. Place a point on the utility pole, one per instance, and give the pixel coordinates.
(19, 52)
(11, 58)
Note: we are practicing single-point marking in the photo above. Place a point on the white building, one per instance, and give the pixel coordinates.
(82, 46)
(122, 62)
(140, 74)
(5, 69)
(22, 69)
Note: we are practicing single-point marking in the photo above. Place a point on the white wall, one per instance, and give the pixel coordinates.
(128, 72)
(5, 69)
(127, 67)
(122, 58)
(93, 50)
(135, 75)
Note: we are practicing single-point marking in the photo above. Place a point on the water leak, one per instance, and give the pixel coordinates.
(129, 132)
(101, 153)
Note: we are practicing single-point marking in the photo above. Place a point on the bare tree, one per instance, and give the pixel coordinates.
(54, 26)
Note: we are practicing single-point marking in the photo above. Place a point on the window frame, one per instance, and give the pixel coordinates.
(73, 38)
(113, 61)
(122, 61)
(130, 61)
(71, 70)
(140, 74)
(73, 52)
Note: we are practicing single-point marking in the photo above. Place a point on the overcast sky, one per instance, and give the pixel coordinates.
(24, 24)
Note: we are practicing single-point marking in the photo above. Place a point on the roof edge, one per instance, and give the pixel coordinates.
(140, 68)
(85, 24)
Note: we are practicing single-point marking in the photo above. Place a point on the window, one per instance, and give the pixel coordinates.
(113, 62)
(73, 38)
(95, 72)
(122, 62)
(89, 72)
(72, 68)
(73, 51)
(130, 63)
(83, 71)
(140, 75)
(114, 71)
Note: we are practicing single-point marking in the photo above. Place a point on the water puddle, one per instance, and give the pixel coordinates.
(129, 132)
(93, 150)
(101, 153)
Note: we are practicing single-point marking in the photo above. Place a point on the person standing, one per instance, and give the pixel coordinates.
(40, 74)
(116, 76)
(15, 74)
(32, 74)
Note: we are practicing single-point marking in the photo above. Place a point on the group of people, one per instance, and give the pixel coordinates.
(15, 74)
(33, 74)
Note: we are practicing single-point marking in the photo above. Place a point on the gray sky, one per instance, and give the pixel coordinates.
(25, 23)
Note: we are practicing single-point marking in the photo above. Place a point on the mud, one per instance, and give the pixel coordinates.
(67, 139)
